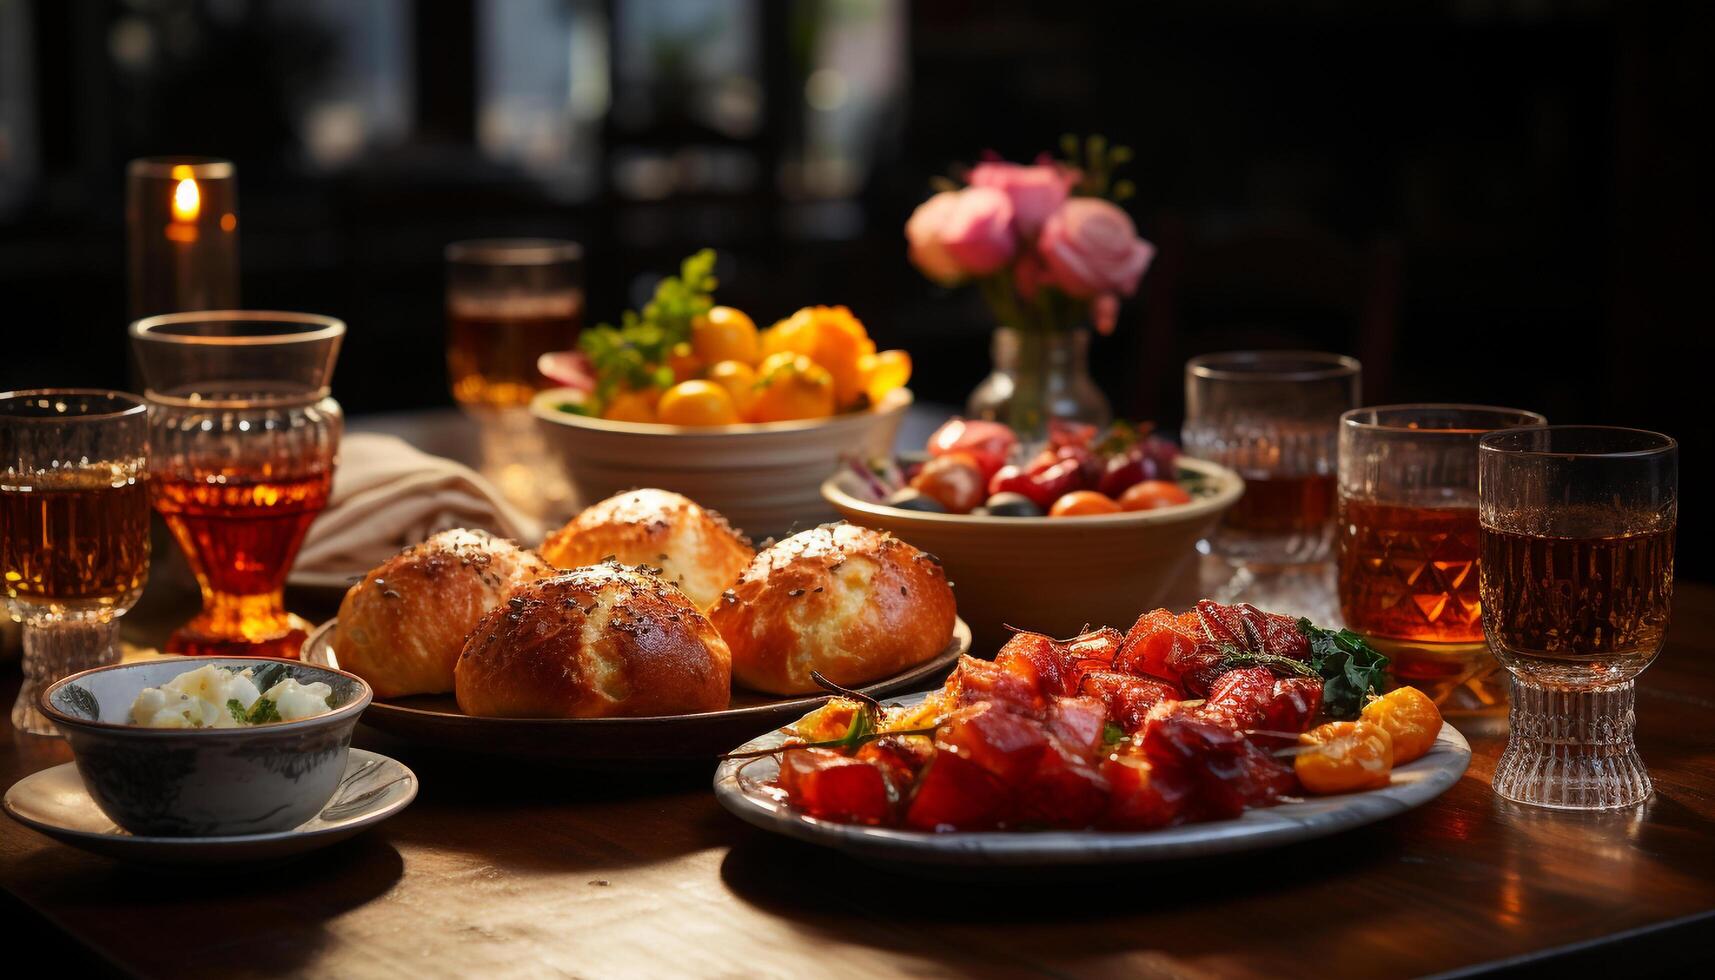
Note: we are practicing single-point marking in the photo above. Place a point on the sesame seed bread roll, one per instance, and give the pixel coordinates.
(695, 548)
(402, 626)
(852, 603)
(603, 641)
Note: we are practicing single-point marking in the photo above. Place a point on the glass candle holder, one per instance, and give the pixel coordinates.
(1272, 416)
(1408, 544)
(181, 226)
(509, 301)
(244, 439)
(74, 529)
(1577, 530)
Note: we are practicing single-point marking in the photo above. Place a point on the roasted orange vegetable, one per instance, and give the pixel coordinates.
(739, 380)
(632, 405)
(724, 334)
(696, 403)
(791, 386)
(1344, 756)
(1411, 719)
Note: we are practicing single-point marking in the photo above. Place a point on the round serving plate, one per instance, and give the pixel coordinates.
(55, 802)
(741, 786)
(436, 719)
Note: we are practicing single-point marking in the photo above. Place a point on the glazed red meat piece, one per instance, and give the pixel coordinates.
(1094, 650)
(1274, 633)
(1222, 624)
(1227, 771)
(955, 794)
(1078, 724)
(1253, 699)
(1201, 668)
(1004, 743)
(1141, 794)
(1065, 791)
(1037, 660)
(1295, 704)
(828, 785)
(976, 681)
(1157, 646)
(1128, 699)
(900, 759)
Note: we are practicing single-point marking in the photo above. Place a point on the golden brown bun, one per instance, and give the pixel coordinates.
(853, 603)
(597, 642)
(695, 549)
(402, 627)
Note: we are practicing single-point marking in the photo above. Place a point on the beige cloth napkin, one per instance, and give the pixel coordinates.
(388, 495)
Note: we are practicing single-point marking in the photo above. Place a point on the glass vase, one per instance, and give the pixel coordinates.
(1038, 376)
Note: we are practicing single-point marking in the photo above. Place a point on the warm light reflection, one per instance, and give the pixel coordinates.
(187, 200)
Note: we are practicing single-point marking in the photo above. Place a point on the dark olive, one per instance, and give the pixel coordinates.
(1012, 505)
(909, 499)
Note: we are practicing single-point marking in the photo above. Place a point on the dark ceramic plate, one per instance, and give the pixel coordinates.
(436, 719)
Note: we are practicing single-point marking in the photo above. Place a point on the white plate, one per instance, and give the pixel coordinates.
(1414, 784)
(55, 802)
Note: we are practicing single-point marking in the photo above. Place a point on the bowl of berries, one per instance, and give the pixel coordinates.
(1082, 530)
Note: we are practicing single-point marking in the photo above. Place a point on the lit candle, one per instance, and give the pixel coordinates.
(182, 234)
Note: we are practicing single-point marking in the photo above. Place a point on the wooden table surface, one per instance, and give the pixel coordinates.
(500, 870)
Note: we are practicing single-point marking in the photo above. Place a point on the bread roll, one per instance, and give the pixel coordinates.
(401, 628)
(596, 642)
(853, 603)
(695, 549)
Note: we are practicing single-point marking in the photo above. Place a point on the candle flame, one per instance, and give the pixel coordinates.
(187, 200)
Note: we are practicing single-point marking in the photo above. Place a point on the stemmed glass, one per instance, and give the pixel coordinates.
(244, 438)
(74, 529)
(1577, 588)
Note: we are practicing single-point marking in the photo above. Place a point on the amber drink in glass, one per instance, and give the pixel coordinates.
(74, 529)
(1272, 416)
(245, 438)
(1408, 544)
(1578, 527)
(509, 301)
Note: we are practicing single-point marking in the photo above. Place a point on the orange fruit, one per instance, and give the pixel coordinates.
(628, 405)
(1083, 503)
(1151, 494)
(739, 380)
(1344, 756)
(833, 338)
(684, 362)
(884, 372)
(696, 403)
(725, 334)
(1411, 720)
(791, 386)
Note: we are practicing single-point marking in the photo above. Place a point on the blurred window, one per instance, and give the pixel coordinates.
(542, 89)
(359, 98)
(18, 151)
(854, 78)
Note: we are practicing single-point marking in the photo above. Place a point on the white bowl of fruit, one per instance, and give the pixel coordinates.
(1084, 529)
(690, 396)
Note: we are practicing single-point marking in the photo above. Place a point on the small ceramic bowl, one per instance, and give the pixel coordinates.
(764, 477)
(1054, 574)
(203, 782)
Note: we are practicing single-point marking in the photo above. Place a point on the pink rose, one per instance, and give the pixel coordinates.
(923, 233)
(1091, 247)
(1035, 191)
(959, 234)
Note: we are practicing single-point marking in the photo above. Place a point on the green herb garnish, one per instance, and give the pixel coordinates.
(235, 708)
(1351, 669)
(1112, 734)
(865, 726)
(635, 353)
(263, 711)
(1237, 659)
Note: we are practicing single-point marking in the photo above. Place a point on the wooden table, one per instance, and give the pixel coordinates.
(500, 870)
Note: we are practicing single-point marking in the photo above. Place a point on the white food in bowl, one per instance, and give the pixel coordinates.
(213, 697)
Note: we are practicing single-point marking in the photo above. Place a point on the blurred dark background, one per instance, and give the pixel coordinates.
(1504, 201)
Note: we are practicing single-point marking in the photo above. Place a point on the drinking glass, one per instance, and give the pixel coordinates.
(1272, 416)
(509, 301)
(1408, 544)
(74, 529)
(1577, 587)
(243, 437)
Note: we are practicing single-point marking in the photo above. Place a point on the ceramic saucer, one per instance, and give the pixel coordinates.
(55, 802)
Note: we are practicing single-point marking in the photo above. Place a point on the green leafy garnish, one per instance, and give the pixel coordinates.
(1237, 659)
(1351, 669)
(1112, 734)
(263, 711)
(635, 353)
(235, 708)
